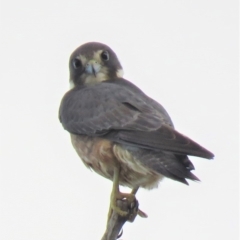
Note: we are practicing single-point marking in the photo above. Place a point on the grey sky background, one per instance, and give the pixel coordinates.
(183, 54)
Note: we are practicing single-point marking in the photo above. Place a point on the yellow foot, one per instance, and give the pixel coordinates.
(125, 205)
(128, 197)
(130, 211)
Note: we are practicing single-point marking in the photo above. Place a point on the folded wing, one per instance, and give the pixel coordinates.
(119, 111)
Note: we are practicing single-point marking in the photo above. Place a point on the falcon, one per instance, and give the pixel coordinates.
(120, 132)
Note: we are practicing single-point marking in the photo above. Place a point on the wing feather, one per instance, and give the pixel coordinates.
(119, 111)
(165, 138)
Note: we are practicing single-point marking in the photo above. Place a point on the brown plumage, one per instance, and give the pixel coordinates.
(113, 124)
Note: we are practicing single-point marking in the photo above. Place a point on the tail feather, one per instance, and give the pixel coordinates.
(165, 139)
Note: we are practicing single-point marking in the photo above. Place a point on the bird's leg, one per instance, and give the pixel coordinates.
(117, 195)
(140, 212)
(134, 190)
(132, 202)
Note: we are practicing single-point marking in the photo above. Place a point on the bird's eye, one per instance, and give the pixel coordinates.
(105, 56)
(76, 63)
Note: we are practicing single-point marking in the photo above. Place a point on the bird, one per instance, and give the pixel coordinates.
(118, 131)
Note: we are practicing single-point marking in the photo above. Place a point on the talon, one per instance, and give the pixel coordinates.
(120, 234)
(142, 214)
(133, 211)
(130, 198)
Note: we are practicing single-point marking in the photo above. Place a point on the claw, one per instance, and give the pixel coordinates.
(120, 234)
(130, 198)
(142, 214)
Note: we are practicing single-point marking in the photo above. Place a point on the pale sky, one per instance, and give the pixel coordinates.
(184, 54)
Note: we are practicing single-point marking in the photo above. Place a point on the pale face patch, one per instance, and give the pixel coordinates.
(95, 62)
(83, 59)
(91, 79)
(101, 73)
(120, 73)
(71, 84)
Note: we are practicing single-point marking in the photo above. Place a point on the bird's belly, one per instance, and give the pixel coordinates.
(103, 156)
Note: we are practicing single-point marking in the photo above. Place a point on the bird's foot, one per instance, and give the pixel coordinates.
(126, 197)
(125, 205)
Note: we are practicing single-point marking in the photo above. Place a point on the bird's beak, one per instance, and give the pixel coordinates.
(92, 67)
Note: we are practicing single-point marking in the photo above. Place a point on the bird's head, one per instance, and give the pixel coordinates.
(93, 62)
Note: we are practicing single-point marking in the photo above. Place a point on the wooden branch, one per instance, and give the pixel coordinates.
(116, 222)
